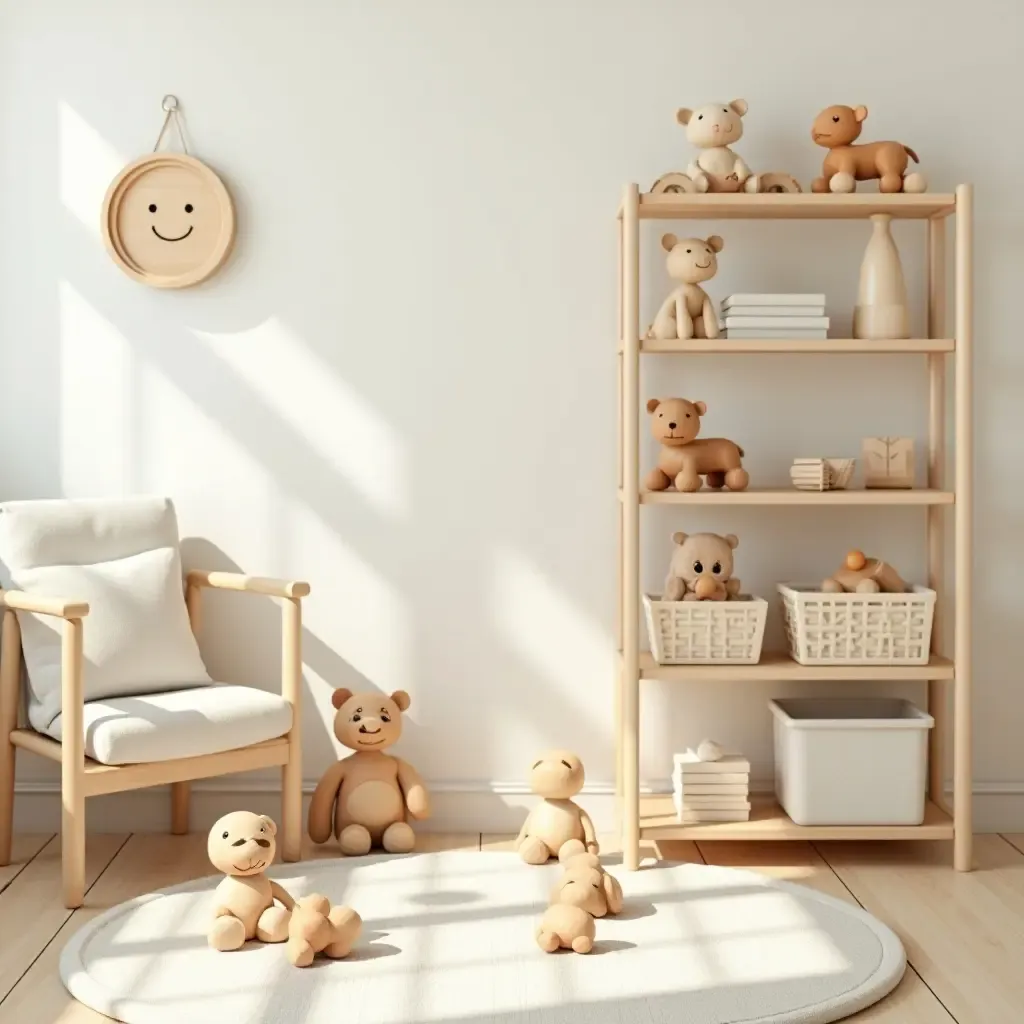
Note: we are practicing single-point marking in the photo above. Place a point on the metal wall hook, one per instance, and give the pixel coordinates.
(170, 102)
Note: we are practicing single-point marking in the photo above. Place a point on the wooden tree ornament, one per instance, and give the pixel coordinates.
(168, 220)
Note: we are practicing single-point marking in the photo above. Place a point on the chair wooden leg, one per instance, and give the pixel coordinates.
(181, 793)
(291, 689)
(72, 767)
(10, 680)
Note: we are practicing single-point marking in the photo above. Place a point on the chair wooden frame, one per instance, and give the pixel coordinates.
(82, 777)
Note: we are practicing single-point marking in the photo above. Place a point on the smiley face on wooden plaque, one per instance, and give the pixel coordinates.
(168, 220)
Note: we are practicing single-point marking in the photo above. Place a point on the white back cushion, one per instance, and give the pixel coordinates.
(122, 557)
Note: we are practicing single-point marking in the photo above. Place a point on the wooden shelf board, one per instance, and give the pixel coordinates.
(830, 346)
(794, 206)
(778, 665)
(769, 821)
(792, 496)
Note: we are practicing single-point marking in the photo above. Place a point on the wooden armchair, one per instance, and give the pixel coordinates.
(117, 692)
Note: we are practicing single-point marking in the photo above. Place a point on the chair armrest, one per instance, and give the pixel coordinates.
(18, 600)
(248, 584)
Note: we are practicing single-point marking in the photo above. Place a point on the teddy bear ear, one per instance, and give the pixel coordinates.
(652, 404)
(860, 113)
(271, 826)
(669, 242)
(739, 107)
(732, 540)
(401, 698)
(716, 242)
(612, 893)
(700, 407)
(679, 537)
(340, 696)
(683, 115)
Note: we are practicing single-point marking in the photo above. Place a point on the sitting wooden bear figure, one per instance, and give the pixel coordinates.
(701, 568)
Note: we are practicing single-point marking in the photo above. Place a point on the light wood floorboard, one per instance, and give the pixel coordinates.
(963, 932)
(24, 848)
(1015, 839)
(911, 1002)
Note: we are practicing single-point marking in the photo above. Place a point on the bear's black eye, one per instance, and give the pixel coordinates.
(264, 830)
(700, 117)
(152, 207)
(384, 716)
(716, 568)
(698, 567)
(595, 885)
(660, 414)
(724, 111)
(224, 835)
(687, 415)
(357, 717)
(836, 119)
(188, 207)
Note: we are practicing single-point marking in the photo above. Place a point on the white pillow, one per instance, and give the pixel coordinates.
(136, 637)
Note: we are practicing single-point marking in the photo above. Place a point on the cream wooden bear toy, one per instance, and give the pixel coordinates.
(713, 129)
(701, 568)
(684, 459)
(242, 845)
(611, 891)
(568, 923)
(367, 797)
(556, 823)
(688, 312)
(317, 927)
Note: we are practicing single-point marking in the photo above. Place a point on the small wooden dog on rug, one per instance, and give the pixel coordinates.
(584, 892)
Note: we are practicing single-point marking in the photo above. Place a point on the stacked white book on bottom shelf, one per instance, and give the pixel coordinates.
(711, 790)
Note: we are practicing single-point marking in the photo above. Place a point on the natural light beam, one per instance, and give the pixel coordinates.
(88, 164)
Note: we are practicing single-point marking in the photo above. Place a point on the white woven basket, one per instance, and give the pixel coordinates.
(706, 632)
(858, 629)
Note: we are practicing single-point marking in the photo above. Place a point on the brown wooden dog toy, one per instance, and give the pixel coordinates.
(836, 128)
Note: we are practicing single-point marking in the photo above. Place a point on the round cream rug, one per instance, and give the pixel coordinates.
(449, 937)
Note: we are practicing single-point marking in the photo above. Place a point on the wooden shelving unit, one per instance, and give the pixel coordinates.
(653, 816)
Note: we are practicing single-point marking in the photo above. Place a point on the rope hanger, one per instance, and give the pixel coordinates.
(170, 104)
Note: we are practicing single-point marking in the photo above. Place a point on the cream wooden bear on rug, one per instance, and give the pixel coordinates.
(367, 796)
(242, 845)
(701, 568)
(713, 129)
(568, 923)
(688, 312)
(556, 823)
(317, 927)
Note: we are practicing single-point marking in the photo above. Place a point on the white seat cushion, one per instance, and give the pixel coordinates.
(180, 723)
(122, 557)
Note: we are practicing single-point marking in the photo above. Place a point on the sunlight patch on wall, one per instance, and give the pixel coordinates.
(333, 419)
(88, 164)
(547, 630)
(360, 616)
(96, 400)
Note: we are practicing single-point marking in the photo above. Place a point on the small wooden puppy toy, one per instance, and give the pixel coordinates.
(367, 796)
(835, 128)
(242, 845)
(688, 312)
(556, 822)
(683, 459)
(701, 568)
(317, 927)
(574, 861)
(860, 575)
(577, 899)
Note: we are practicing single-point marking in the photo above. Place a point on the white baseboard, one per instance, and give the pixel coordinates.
(473, 805)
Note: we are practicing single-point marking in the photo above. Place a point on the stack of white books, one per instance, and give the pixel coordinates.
(711, 790)
(774, 316)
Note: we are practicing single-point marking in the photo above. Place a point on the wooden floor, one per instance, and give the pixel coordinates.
(964, 933)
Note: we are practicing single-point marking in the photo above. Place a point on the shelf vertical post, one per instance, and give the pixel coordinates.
(937, 695)
(962, 752)
(629, 722)
(620, 349)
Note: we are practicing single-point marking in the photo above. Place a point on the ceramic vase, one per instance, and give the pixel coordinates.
(881, 310)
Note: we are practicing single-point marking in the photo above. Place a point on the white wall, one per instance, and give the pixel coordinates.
(402, 386)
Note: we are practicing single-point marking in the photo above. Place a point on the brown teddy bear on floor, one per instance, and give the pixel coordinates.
(701, 568)
(242, 845)
(368, 795)
(556, 822)
(684, 459)
(317, 927)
